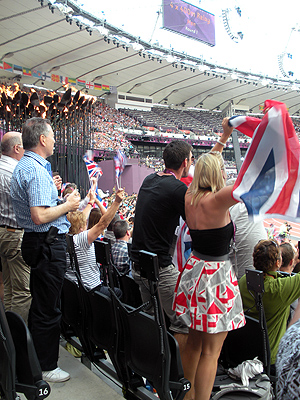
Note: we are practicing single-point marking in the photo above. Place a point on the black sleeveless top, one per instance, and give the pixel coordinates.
(213, 242)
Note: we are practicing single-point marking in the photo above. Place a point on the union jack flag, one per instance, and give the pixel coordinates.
(120, 162)
(269, 180)
(92, 168)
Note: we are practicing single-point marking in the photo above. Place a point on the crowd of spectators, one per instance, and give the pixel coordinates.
(157, 164)
(108, 127)
(171, 120)
(152, 162)
(296, 122)
(127, 208)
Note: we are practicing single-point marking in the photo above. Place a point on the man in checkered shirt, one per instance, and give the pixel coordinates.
(119, 250)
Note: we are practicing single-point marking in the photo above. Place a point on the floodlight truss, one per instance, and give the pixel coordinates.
(226, 22)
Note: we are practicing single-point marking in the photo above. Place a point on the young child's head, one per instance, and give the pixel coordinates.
(78, 222)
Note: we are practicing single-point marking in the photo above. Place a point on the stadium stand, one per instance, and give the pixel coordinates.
(172, 120)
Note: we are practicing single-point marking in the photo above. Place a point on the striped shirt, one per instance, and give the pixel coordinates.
(7, 215)
(32, 186)
(85, 252)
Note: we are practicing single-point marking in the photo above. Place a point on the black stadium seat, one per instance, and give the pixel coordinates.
(251, 340)
(20, 370)
(130, 290)
(149, 350)
(244, 344)
(137, 343)
(7, 359)
(71, 323)
(102, 329)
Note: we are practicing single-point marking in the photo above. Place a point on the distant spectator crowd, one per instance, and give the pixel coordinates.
(108, 125)
(152, 162)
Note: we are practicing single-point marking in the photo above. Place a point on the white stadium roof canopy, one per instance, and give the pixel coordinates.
(38, 36)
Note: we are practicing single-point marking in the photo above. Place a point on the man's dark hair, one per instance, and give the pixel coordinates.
(287, 254)
(33, 128)
(120, 228)
(175, 153)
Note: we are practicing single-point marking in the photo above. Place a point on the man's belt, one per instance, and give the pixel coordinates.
(10, 228)
(44, 234)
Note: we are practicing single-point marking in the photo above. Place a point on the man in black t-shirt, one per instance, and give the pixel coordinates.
(159, 205)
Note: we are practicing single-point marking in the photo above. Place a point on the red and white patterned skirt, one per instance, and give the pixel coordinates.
(207, 296)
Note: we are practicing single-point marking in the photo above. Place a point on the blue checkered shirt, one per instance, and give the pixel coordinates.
(119, 252)
(32, 186)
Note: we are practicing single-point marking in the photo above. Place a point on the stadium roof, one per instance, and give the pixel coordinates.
(44, 38)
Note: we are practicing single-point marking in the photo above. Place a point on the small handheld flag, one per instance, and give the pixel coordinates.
(120, 160)
(92, 168)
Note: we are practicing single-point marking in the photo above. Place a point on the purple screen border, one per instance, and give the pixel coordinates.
(188, 20)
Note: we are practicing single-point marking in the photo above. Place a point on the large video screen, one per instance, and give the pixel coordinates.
(188, 20)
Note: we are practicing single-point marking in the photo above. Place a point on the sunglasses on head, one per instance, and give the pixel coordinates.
(269, 244)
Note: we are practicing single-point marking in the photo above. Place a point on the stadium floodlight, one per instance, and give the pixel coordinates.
(79, 24)
(137, 46)
(221, 70)
(264, 82)
(102, 30)
(83, 21)
(7, 55)
(203, 67)
(64, 8)
(253, 77)
(55, 68)
(51, 7)
(170, 58)
(123, 39)
(69, 19)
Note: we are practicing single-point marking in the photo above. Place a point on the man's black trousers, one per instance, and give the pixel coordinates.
(48, 266)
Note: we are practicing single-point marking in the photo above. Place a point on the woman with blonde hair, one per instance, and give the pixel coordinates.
(207, 297)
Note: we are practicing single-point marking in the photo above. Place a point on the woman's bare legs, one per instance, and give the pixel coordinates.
(200, 361)
(206, 371)
(190, 359)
